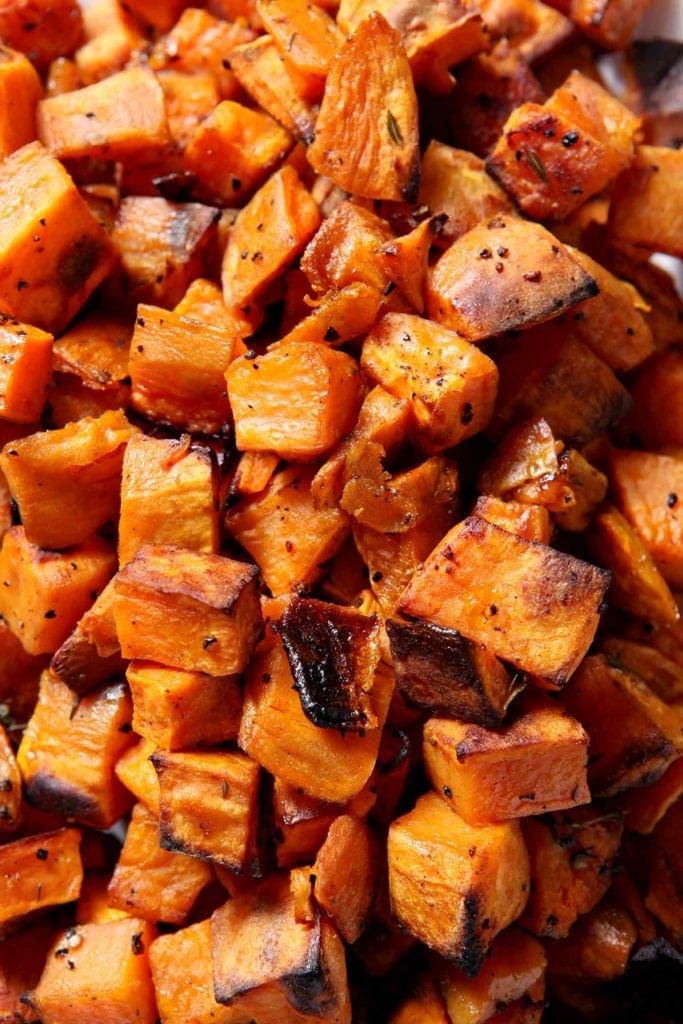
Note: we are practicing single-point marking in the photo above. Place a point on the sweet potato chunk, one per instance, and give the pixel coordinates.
(333, 653)
(634, 735)
(345, 875)
(115, 119)
(276, 733)
(55, 251)
(531, 522)
(659, 386)
(267, 964)
(21, 964)
(329, 396)
(661, 673)
(645, 211)
(306, 35)
(610, 23)
(177, 709)
(301, 823)
(340, 316)
(187, 609)
(135, 770)
(598, 946)
(648, 489)
(90, 655)
(44, 593)
(501, 275)
(450, 385)
(370, 79)
(345, 250)
(41, 31)
(208, 805)
(644, 808)
(74, 978)
(187, 996)
(536, 763)
(455, 886)
(25, 370)
(66, 482)
(69, 749)
(541, 614)
(442, 672)
(150, 882)
(21, 90)
(39, 871)
(571, 855)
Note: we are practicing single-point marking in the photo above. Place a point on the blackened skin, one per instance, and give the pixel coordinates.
(320, 647)
(58, 797)
(471, 954)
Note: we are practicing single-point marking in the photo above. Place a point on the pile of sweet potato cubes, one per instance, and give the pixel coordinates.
(341, 513)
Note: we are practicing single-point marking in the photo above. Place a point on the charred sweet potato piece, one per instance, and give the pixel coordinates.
(524, 609)
(212, 602)
(136, 771)
(44, 593)
(67, 482)
(177, 709)
(40, 871)
(645, 210)
(55, 251)
(571, 855)
(25, 370)
(301, 823)
(646, 489)
(345, 875)
(123, 990)
(515, 967)
(370, 79)
(333, 653)
(267, 963)
(259, 389)
(525, 467)
(276, 733)
(533, 764)
(634, 736)
(455, 886)
(598, 945)
(644, 808)
(637, 584)
(69, 749)
(150, 882)
(531, 522)
(451, 386)
(501, 275)
(162, 246)
(90, 655)
(289, 538)
(442, 672)
(208, 805)
(345, 250)
(116, 119)
(187, 996)
(252, 258)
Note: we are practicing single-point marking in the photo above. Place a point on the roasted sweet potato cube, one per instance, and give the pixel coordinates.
(44, 593)
(345, 250)
(541, 615)
(532, 28)
(634, 736)
(526, 467)
(75, 978)
(329, 390)
(332, 653)
(177, 368)
(503, 274)
(644, 808)
(451, 386)
(55, 250)
(588, 485)
(21, 963)
(21, 90)
(341, 315)
(163, 246)
(187, 995)
(276, 733)
(637, 584)
(208, 805)
(25, 369)
(167, 496)
(405, 260)
(531, 522)
(136, 771)
(598, 945)
(307, 36)
(645, 208)
(80, 662)
(610, 23)
(41, 31)
(571, 855)
(266, 963)
(67, 482)
(115, 119)
(187, 610)
(366, 134)
(40, 871)
(252, 258)
(515, 967)
(177, 709)
(424, 1005)
(150, 882)
(200, 43)
(592, 108)
(648, 489)
(68, 752)
(535, 763)
(658, 386)
(300, 824)
(442, 672)
(247, 143)
(455, 886)
(346, 874)
(661, 673)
